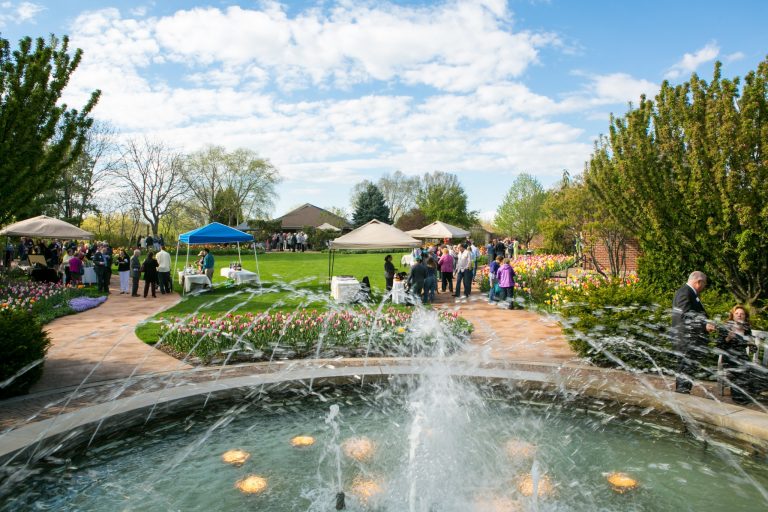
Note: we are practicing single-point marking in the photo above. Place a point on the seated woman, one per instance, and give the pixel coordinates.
(735, 340)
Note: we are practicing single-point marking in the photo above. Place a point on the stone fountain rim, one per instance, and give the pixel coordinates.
(34, 440)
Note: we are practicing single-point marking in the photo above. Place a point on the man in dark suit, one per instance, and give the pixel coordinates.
(417, 277)
(689, 329)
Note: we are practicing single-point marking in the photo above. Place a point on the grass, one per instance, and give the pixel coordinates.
(290, 281)
(281, 266)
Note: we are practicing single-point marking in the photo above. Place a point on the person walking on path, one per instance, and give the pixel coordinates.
(430, 283)
(417, 277)
(208, 264)
(445, 264)
(493, 268)
(150, 273)
(135, 272)
(123, 270)
(102, 264)
(506, 278)
(690, 329)
(164, 270)
(463, 272)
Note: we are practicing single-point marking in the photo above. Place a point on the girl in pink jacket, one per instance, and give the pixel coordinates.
(506, 279)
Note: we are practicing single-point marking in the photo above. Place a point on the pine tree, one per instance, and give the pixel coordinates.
(370, 205)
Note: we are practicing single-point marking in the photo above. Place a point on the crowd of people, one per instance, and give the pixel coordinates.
(448, 263)
(287, 242)
(68, 261)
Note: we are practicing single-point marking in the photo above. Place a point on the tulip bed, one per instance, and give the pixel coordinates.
(532, 273)
(298, 334)
(45, 301)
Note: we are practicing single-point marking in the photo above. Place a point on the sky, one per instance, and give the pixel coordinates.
(334, 92)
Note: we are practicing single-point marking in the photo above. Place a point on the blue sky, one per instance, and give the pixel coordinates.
(336, 92)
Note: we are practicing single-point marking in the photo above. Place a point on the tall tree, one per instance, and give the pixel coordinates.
(520, 212)
(357, 190)
(370, 205)
(226, 207)
(73, 196)
(441, 197)
(250, 179)
(687, 174)
(39, 138)
(399, 192)
(150, 174)
(412, 219)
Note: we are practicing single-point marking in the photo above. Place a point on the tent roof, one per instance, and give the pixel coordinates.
(439, 229)
(328, 227)
(214, 233)
(46, 227)
(375, 235)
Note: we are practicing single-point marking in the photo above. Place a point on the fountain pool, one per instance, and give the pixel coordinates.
(435, 443)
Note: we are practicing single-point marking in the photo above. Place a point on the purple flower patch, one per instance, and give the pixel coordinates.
(80, 304)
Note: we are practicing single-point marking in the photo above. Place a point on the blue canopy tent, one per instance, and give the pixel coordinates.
(215, 233)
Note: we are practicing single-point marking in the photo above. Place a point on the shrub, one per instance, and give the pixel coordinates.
(23, 345)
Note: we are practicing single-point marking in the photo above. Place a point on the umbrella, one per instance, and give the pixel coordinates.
(46, 227)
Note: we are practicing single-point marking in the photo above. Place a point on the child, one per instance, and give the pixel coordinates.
(506, 278)
(493, 268)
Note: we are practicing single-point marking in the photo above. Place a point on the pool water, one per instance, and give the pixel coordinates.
(442, 449)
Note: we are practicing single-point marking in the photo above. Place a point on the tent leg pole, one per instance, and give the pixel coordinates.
(239, 258)
(256, 259)
(186, 264)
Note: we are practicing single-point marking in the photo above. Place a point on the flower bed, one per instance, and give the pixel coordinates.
(80, 304)
(351, 332)
(532, 271)
(45, 301)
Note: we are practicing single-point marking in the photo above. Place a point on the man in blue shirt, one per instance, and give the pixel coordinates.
(208, 264)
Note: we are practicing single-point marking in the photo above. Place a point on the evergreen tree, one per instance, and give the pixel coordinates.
(370, 205)
(39, 138)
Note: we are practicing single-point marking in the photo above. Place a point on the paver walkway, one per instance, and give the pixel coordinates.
(514, 335)
(100, 344)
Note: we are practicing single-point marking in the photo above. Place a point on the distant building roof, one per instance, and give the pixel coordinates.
(310, 215)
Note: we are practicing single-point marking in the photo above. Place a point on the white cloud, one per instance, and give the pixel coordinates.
(733, 57)
(248, 79)
(691, 61)
(19, 13)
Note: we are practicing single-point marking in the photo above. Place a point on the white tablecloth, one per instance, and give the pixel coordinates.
(188, 280)
(89, 275)
(240, 276)
(398, 292)
(406, 260)
(344, 289)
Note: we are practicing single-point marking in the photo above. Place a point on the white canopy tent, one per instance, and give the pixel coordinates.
(328, 227)
(439, 230)
(373, 235)
(46, 227)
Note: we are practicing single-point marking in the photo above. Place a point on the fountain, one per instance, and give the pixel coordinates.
(442, 431)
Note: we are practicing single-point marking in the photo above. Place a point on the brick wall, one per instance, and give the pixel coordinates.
(601, 255)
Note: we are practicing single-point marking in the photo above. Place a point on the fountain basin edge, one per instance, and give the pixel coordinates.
(708, 419)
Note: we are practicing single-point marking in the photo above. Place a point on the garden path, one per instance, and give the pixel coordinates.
(100, 344)
(514, 335)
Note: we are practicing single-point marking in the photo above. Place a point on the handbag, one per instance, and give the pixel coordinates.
(496, 288)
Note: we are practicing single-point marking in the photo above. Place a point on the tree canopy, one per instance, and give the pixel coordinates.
(520, 212)
(441, 197)
(240, 177)
(687, 174)
(39, 138)
(370, 205)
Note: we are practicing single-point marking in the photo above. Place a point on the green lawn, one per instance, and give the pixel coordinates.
(290, 281)
(281, 266)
